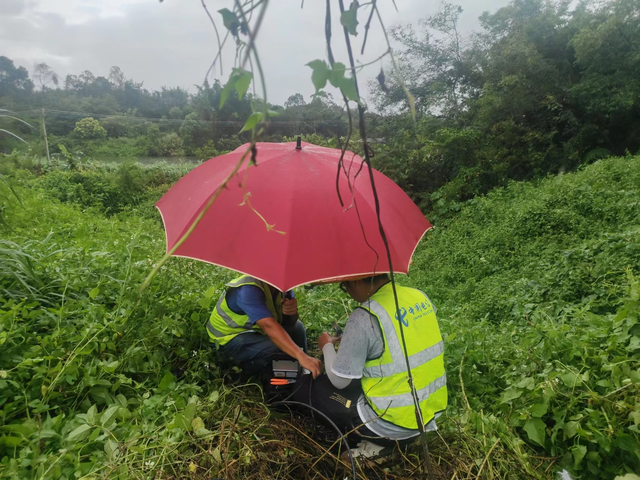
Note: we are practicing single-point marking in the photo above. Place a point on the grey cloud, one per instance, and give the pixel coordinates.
(172, 43)
(10, 8)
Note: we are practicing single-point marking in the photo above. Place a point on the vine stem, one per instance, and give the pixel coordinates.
(251, 47)
(367, 155)
(396, 70)
(204, 5)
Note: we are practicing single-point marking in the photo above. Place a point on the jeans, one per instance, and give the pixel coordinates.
(252, 351)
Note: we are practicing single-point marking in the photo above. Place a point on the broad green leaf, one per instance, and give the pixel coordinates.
(12, 441)
(628, 476)
(535, 429)
(239, 79)
(320, 74)
(166, 381)
(197, 424)
(510, 394)
(181, 422)
(111, 366)
(578, 452)
(527, 383)
(570, 379)
(110, 447)
(205, 302)
(538, 410)
(226, 91)
(337, 74)
(349, 18)
(109, 414)
(79, 433)
(348, 87)
(242, 82)
(94, 293)
(94, 434)
(91, 414)
(634, 344)
(229, 19)
(190, 411)
(195, 317)
(216, 455)
(210, 292)
(252, 121)
(571, 429)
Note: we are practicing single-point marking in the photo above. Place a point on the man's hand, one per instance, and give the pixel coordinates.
(326, 338)
(289, 306)
(314, 365)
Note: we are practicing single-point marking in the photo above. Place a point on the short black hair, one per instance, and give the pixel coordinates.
(376, 278)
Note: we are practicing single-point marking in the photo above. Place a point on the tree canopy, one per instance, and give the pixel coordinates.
(544, 87)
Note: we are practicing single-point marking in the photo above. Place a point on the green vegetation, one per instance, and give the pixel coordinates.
(540, 296)
(537, 291)
(534, 262)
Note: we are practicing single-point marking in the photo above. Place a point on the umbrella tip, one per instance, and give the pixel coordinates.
(299, 143)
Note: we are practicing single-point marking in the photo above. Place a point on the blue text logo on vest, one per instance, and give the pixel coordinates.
(403, 314)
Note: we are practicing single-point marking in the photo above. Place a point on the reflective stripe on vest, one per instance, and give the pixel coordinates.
(225, 324)
(406, 399)
(395, 348)
(385, 380)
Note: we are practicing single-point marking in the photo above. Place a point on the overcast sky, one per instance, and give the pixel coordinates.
(173, 43)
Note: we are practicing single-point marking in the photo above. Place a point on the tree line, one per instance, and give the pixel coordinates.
(544, 87)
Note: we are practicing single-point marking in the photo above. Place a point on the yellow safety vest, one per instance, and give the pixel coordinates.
(224, 324)
(385, 380)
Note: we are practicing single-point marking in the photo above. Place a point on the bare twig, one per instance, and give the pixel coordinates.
(464, 395)
(487, 457)
(204, 5)
(396, 70)
(368, 25)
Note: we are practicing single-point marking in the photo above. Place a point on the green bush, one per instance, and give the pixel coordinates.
(538, 295)
(113, 188)
(538, 288)
(89, 129)
(93, 376)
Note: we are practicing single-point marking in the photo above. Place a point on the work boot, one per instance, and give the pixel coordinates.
(366, 449)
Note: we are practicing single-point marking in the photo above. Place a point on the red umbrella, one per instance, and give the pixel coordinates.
(281, 220)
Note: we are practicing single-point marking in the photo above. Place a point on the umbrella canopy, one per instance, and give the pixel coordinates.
(311, 237)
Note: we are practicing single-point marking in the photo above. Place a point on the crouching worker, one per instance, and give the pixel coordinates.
(253, 321)
(366, 386)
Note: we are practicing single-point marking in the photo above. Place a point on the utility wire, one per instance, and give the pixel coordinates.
(314, 121)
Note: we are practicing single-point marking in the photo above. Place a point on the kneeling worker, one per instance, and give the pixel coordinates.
(366, 385)
(253, 321)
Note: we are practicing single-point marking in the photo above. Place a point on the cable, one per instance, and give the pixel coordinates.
(295, 391)
(343, 438)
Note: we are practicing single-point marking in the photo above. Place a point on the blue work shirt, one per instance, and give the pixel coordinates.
(250, 300)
